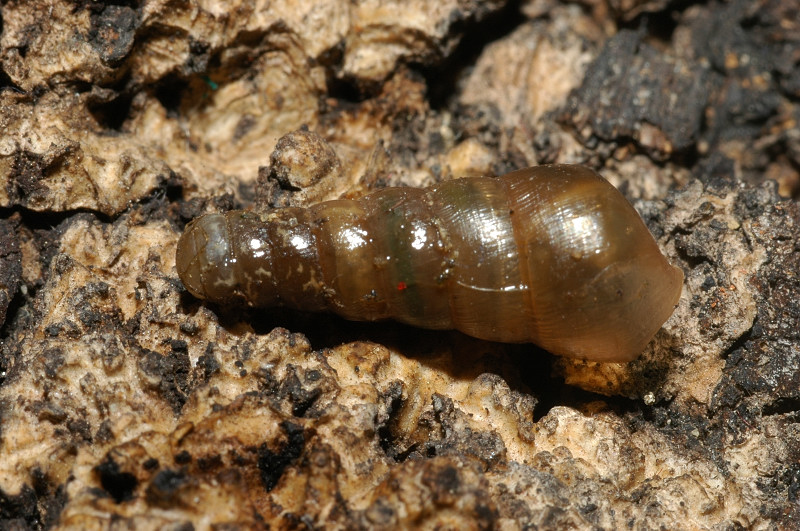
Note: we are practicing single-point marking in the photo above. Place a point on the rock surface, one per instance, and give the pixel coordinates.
(126, 402)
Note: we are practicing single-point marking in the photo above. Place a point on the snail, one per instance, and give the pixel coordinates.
(552, 255)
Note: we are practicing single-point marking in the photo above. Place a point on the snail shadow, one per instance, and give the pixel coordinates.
(524, 367)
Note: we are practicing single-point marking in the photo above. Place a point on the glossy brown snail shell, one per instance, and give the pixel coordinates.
(552, 255)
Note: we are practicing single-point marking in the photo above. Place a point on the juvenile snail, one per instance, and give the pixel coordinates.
(552, 255)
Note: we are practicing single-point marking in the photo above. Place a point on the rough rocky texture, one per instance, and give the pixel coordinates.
(10, 265)
(124, 402)
(633, 91)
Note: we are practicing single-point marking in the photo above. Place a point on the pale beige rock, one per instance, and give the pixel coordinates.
(387, 31)
(54, 158)
(127, 403)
